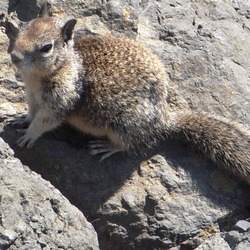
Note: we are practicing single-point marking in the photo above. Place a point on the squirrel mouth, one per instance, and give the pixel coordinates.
(16, 58)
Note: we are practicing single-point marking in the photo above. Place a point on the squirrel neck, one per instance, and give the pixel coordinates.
(64, 88)
(68, 76)
(68, 71)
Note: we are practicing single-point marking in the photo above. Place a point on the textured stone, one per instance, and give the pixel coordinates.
(172, 197)
(242, 225)
(34, 215)
(214, 242)
(237, 240)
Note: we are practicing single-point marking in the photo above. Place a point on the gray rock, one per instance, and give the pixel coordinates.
(172, 197)
(243, 245)
(237, 240)
(242, 225)
(7, 110)
(214, 242)
(34, 215)
(4, 7)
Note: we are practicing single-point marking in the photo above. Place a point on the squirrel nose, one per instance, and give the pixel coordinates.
(16, 57)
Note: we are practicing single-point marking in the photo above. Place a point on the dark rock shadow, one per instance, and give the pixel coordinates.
(26, 10)
(61, 157)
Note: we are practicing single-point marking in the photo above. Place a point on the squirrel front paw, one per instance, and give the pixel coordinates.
(27, 139)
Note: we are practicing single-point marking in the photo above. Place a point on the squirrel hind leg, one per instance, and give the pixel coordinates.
(104, 147)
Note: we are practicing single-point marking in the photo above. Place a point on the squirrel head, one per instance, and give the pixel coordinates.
(43, 45)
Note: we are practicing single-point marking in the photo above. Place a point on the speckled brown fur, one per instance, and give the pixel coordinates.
(127, 85)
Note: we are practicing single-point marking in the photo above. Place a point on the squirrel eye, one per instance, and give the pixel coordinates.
(46, 48)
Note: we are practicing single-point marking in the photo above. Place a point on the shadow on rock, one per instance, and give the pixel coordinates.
(61, 157)
(26, 10)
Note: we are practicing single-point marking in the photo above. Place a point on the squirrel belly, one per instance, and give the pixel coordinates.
(117, 88)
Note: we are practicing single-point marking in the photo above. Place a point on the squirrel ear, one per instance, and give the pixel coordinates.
(44, 9)
(67, 30)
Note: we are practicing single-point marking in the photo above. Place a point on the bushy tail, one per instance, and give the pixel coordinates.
(224, 142)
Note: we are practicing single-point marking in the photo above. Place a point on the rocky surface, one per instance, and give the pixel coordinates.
(35, 215)
(172, 198)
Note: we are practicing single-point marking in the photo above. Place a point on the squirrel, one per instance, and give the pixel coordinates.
(115, 88)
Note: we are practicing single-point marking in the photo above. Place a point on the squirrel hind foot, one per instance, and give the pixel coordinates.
(104, 147)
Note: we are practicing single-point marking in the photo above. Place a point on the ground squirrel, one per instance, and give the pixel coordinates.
(115, 88)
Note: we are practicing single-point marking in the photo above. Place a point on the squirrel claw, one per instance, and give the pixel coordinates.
(22, 131)
(25, 140)
(102, 147)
